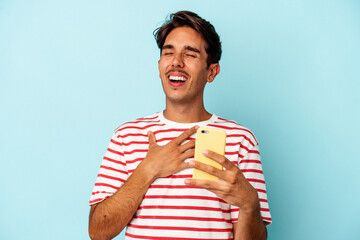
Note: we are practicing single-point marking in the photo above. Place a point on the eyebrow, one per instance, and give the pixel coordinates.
(170, 46)
(192, 49)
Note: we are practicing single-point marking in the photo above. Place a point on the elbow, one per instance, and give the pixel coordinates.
(92, 233)
(96, 231)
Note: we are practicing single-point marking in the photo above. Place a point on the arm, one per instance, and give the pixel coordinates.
(250, 226)
(109, 217)
(233, 187)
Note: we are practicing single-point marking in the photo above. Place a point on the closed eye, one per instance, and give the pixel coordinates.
(191, 55)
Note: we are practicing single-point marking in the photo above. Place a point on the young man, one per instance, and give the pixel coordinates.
(145, 180)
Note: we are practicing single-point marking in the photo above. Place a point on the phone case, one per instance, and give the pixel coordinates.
(211, 139)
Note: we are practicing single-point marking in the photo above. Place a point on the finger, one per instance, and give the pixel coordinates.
(187, 146)
(219, 159)
(185, 135)
(208, 169)
(188, 154)
(152, 139)
(213, 186)
(219, 187)
(183, 166)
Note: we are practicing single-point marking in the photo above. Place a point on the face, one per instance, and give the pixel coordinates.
(183, 68)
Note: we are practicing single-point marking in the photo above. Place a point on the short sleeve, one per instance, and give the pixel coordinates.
(112, 174)
(250, 166)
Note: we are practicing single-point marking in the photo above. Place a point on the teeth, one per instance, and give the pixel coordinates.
(177, 78)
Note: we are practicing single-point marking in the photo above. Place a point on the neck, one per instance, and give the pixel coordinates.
(186, 113)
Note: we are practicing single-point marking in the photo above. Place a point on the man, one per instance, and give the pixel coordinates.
(145, 180)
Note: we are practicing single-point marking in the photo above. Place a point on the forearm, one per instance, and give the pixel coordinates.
(109, 218)
(250, 226)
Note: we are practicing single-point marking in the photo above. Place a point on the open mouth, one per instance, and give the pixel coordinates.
(177, 79)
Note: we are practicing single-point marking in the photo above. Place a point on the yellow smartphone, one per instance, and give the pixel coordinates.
(208, 139)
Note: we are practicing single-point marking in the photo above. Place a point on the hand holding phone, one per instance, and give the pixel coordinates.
(208, 139)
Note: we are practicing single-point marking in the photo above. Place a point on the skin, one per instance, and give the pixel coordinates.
(183, 55)
(185, 104)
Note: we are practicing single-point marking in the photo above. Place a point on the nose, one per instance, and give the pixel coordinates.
(178, 61)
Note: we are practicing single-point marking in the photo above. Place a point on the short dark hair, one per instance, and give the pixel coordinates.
(190, 19)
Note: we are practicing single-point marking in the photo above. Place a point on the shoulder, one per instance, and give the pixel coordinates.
(235, 130)
(140, 123)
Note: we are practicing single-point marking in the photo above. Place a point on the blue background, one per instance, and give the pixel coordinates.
(72, 71)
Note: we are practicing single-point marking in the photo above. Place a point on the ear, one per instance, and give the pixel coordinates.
(213, 71)
(159, 68)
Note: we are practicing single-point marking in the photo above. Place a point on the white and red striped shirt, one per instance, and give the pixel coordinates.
(171, 209)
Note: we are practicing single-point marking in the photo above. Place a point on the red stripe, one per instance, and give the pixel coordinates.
(254, 151)
(260, 190)
(129, 143)
(136, 151)
(136, 142)
(234, 128)
(167, 238)
(171, 130)
(236, 135)
(173, 186)
(116, 152)
(172, 138)
(98, 200)
(184, 197)
(266, 219)
(264, 209)
(132, 135)
(251, 170)
(157, 140)
(97, 192)
(236, 144)
(140, 128)
(155, 132)
(251, 161)
(114, 161)
(255, 180)
(134, 161)
(241, 135)
(106, 185)
(198, 208)
(140, 159)
(115, 142)
(165, 139)
(181, 228)
(147, 118)
(184, 218)
(232, 153)
(113, 169)
(229, 121)
(180, 176)
(263, 200)
(111, 177)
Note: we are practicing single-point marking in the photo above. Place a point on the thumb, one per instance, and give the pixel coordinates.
(152, 139)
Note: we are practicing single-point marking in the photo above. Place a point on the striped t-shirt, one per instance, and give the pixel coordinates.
(171, 209)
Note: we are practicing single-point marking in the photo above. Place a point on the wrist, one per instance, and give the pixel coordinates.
(146, 172)
(252, 205)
